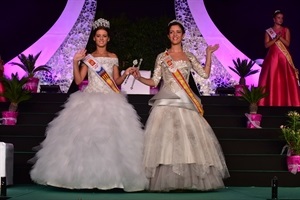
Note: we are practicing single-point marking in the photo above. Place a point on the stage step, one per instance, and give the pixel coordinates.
(262, 178)
(253, 156)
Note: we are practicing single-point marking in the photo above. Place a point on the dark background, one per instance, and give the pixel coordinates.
(243, 22)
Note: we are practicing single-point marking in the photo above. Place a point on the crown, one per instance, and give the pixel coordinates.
(101, 23)
(277, 12)
(175, 20)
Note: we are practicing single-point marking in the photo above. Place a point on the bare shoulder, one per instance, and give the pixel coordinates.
(287, 29)
(112, 55)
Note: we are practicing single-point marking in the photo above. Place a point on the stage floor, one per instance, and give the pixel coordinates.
(36, 192)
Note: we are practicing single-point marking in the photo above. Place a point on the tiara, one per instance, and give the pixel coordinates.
(277, 11)
(101, 23)
(175, 20)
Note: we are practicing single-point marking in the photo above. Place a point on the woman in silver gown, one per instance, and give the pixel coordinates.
(181, 149)
(97, 140)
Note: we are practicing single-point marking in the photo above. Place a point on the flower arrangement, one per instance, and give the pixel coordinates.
(291, 132)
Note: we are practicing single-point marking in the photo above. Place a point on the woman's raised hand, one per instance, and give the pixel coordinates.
(212, 48)
(79, 55)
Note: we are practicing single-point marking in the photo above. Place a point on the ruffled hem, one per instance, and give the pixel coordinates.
(96, 141)
(189, 177)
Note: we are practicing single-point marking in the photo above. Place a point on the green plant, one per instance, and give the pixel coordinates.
(14, 91)
(291, 132)
(253, 95)
(28, 64)
(243, 68)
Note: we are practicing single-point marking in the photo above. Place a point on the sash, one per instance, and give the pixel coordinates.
(181, 81)
(93, 64)
(285, 52)
(271, 33)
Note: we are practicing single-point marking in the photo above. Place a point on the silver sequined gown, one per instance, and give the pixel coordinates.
(96, 141)
(181, 149)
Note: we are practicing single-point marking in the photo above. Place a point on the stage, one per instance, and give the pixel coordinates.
(253, 156)
(30, 192)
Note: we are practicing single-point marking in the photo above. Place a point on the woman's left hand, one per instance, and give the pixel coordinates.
(212, 48)
(136, 73)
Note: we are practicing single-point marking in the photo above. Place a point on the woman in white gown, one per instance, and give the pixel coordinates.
(97, 140)
(181, 149)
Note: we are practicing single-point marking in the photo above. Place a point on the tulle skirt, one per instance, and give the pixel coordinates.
(182, 151)
(96, 141)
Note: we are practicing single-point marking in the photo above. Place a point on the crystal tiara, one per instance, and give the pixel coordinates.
(277, 11)
(101, 23)
(175, 20)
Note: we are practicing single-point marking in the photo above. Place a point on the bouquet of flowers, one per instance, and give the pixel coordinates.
(291, 132)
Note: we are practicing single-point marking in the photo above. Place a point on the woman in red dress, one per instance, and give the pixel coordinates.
(278, 73)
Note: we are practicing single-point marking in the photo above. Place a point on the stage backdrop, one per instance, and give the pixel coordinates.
(242, 22)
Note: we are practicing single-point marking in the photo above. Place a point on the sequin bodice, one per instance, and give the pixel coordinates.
(97, 85)
(161, 71)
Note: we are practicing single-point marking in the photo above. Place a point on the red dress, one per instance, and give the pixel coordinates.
(279, 78)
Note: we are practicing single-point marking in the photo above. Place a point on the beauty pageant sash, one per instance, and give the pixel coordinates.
(93, 64)
(181, 81)
(285, 52)
(271, 33)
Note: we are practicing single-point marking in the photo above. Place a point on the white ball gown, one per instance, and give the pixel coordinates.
(96, 141)
(181, 149)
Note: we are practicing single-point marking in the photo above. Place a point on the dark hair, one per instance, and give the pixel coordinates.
(101, 28)
(174, 22)
(276, 12)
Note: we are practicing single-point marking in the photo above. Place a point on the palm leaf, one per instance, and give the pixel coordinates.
(254, 94)
(243, 67)
(42, 68)
(27, 63)
(13, 89)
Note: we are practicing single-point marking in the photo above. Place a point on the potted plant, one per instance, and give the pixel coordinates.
(15, 93)
(243, 68)
(28, 65)
(252, 95)
(291, 134)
